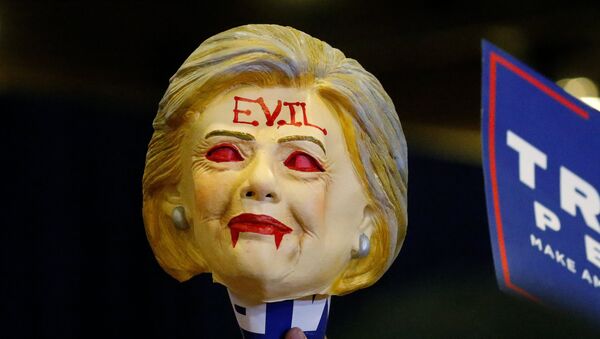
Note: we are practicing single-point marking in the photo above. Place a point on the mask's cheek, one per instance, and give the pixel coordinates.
(307, 205)
(215, 200)
(214, 195)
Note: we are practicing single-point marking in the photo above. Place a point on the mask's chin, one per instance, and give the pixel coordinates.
(257, 292)
(255, 269)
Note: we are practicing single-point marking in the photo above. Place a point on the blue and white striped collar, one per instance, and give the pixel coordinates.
(273, 320)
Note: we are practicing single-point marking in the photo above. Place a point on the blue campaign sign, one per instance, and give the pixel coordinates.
(541, 160)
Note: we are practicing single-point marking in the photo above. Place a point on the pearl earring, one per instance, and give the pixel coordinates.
(178, 216)
(364, 246)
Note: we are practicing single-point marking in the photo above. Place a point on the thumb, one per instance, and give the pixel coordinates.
(295, 333)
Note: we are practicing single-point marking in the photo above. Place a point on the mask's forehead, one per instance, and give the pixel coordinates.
(277, 112)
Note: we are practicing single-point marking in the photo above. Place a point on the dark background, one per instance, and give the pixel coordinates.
(79, 87)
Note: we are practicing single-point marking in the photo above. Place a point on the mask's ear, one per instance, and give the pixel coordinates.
(366, 227)
(171, 200)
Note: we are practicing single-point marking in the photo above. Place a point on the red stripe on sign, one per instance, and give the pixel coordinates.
(535, 82)
(492, 152)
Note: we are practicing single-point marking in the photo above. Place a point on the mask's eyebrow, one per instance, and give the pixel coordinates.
(302, 138)
(239, 135)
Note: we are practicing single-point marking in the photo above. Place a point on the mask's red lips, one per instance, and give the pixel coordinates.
(257, 223)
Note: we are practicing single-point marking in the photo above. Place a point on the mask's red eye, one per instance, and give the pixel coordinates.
(224, 153)
(303, 162)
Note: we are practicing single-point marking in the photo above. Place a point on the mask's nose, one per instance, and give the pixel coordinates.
(261, 184)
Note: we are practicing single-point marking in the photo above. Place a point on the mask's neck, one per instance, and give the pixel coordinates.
(273, 320)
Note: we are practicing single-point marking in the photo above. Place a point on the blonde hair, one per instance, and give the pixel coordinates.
(268, 56)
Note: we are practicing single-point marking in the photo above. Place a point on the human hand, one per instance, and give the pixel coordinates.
(295, 333)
